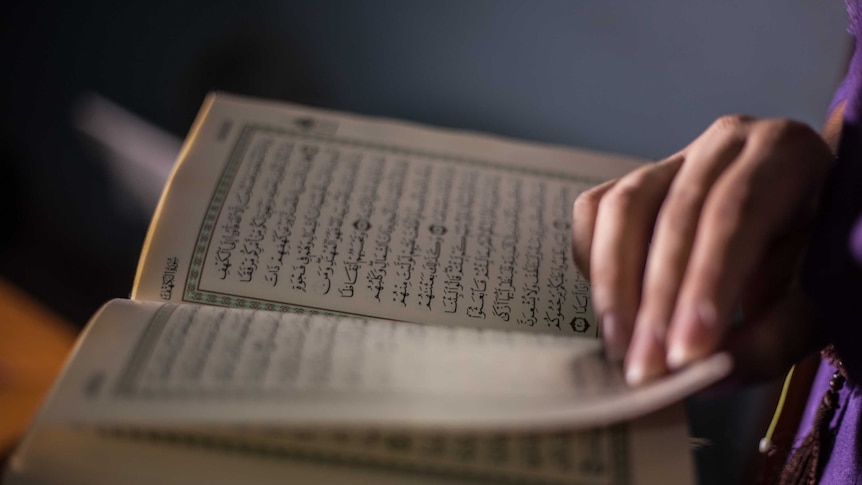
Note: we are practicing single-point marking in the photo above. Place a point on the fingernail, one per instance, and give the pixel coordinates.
(614, 337)
(679, 355)
(635, 374)
(646, 354)
(642, 372)
(692, 342)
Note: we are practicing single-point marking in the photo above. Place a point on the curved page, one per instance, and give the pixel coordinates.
(193, 365)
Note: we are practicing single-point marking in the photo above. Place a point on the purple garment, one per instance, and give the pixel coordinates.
(832, 277)
(842, 463)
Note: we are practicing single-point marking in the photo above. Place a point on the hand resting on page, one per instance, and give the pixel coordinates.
(675, 249)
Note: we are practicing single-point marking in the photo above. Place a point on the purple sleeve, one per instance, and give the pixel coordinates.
(851, 91)
(856, 241)
(832, 275)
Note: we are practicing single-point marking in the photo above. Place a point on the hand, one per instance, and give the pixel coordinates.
(674, 250)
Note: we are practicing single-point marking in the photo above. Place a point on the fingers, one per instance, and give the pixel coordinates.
(583, 222)
(670, 248)
(624, 220)
(755, 201)
(675, 230)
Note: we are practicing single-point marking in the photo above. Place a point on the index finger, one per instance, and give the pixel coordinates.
(584, 212)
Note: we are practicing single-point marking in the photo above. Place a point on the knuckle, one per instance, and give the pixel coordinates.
(587, 203)
(731, 122)
(787, 143)
(791, 128)
(631, 194)
(783, 132)
(624, 196)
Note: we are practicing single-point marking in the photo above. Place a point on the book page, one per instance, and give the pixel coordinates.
(278, 207)
(195, 365)
(236, 391)
(650, 450)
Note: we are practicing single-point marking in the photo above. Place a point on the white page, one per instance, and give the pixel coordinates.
(194, 366)
(651, 450)
(276, 206)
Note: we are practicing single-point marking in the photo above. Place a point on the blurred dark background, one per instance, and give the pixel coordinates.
(640, 78)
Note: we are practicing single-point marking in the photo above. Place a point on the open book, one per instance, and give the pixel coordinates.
(326, 298)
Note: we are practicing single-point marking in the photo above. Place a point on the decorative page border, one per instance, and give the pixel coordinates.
(195, 294)
(618, 435)
(146, 343)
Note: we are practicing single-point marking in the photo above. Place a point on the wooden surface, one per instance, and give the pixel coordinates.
(34, 344)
